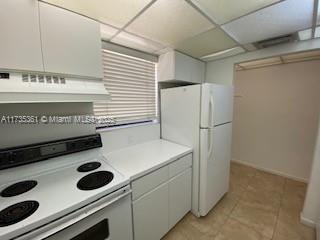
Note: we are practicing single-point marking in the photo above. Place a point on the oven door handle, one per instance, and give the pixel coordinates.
(73, 220)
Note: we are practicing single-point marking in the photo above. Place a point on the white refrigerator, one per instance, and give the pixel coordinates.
(200, 116)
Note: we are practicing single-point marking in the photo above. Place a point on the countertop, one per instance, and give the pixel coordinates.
(140, 159)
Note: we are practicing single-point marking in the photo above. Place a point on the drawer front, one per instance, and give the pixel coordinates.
(149, 182)
(180, 165)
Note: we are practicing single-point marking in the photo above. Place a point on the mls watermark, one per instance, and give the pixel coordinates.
(52, 119)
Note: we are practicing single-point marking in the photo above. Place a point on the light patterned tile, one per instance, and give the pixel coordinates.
(235, 230)
(240, 176)
(266, 200)
(174, 234)
(236, 188)
(242, 170)
(293, 198)
(226, 204)
(264, 181)
(289, 228)
(259, 206)
(259, 219)
(295, 189)
(207, 227)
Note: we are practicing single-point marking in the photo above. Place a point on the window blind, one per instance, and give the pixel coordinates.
(132, 84)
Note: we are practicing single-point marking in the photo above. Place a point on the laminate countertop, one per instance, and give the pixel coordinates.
(141, 159)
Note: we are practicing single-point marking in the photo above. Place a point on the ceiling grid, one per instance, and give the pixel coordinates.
(135, 17)
(211, 20)
(204, 29)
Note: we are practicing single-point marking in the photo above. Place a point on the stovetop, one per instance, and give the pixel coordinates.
(41, 192)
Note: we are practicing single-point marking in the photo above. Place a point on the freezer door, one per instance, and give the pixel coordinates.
(216, 104)
(215, 155)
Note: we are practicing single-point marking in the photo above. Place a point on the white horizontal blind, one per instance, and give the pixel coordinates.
(132, 84)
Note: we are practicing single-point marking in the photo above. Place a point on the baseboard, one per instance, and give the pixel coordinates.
(307, 221)
(271, 171)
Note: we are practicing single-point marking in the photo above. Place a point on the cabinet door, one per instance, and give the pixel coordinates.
(20, 46)
(71, 43)
(150, 214)
(179, 197)
(198, 72)
(184, 67)
(166, 67)
(175, 66)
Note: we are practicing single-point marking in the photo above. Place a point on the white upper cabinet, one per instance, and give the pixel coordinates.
(20, 45)
(175, 66)
(71, 43)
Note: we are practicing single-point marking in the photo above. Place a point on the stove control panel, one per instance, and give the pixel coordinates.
(12, 157)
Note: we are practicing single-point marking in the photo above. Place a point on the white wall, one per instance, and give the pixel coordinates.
(117, 138)
(21, 134)
(222, 71)
(311, 209)
(276, 118)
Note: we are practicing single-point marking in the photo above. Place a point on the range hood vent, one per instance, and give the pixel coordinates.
(33, 87)
(276, 41)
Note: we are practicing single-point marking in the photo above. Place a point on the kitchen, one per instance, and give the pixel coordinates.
(122, 120)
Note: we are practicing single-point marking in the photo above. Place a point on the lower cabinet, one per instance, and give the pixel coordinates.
(150, 214)
(156, 211)
(179, 197)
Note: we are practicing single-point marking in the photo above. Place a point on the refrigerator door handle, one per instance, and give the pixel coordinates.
(211, 104)
(210, 141)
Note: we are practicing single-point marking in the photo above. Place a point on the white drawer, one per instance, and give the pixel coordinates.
(149, 182)
(180, 165)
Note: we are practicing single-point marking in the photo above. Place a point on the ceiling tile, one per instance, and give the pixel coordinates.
(116, 13)
(107, 31)
(169, 22)
(205, 43)
(283, 18)
(223, 54)
(305, 34)
(136, 42)
(227, 10)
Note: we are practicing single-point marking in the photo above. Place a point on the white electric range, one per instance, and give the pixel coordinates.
(74, 194)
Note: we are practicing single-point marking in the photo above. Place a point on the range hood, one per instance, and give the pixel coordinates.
(33, 87)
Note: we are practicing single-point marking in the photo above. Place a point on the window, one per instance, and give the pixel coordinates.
(132, 84)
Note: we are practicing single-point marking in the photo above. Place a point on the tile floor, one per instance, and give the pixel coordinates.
(259, 206)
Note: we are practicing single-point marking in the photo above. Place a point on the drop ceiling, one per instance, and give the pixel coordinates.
(204, 29)
(280, 19)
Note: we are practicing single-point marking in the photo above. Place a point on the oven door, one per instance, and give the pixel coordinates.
(112, 222)
(109, 218)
